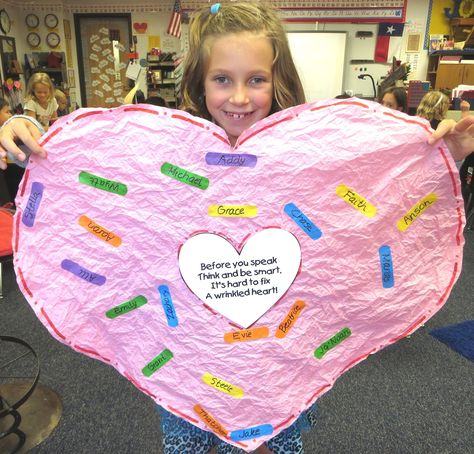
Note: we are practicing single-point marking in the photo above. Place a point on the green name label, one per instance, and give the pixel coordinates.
(184, 176)
(157, 363)
(331, 343)
(128, 306)
(102, 183)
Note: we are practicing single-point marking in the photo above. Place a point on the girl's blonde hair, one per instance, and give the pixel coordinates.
(237, 17)
(39, 78)
(433, 106)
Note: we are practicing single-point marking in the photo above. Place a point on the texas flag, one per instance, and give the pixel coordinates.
(389, 40)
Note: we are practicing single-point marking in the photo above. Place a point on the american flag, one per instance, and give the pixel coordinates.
(174, 28)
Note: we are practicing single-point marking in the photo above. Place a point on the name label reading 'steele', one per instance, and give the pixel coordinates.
(356, 201)
(222, 385)
(100, 232)
(415, 211)
(102, 183)
(308, 226)
(184, 176)
(232, 211)
(231, 159)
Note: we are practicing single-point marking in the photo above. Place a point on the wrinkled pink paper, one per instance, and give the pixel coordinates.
(303, 155)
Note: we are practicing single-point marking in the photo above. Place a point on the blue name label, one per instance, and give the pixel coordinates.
(303, 221)
(168, 305)
(251, 432)
(32, 206)
(386, 266)
(231, 159)
(82, 272)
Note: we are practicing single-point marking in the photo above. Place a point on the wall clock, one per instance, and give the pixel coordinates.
(32, 20)
(33, 39)
(5, 22)
(53, 39)
(51, 20)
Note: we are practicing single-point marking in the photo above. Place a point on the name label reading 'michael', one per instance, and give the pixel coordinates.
(232, 211)
(157, 363)
(210, 421)
(100, 232)
(331, 343)
(416, 211)
(126, 307)
(32, 206)
(356, 201)
(83, 273)
(231, 159)
(102, 183)
(290, 319)
(223, 386)
(184, 176)
(303, 221)
(246, 335)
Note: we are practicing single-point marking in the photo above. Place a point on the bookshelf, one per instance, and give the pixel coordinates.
(449, 68)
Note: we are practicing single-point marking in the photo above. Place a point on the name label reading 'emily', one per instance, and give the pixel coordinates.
(251, 432)
(303, 221)
(232, 211)
(356, 201)
(102, 183)
(231, 159)
(223, 386)
(126, 307)
(184, 176)
(416, 211)
(100, 232)
(386, 266)
(32, 206)
(331, 343)
(157, 363)
(82, 272)
(290, 319)
(168, 306)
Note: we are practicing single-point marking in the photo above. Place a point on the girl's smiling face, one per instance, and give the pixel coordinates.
(238, 83)
(42, 93)
(5, 114)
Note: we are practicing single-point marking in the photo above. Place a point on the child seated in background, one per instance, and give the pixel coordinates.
(156, 101)
(395, 98)
(434, 107)
(40, 101)
(61, 99)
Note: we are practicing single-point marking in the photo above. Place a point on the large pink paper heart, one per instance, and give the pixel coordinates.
(106, 226)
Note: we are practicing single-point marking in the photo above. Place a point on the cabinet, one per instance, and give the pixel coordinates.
(450, 75)
(161, 79)
(51, 63)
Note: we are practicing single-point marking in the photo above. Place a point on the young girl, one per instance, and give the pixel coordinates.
(395, 98)
(434, 107)
(40, 101)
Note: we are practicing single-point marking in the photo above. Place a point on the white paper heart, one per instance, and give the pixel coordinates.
(240, 286)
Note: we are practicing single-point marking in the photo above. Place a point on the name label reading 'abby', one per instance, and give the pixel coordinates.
(303, 221)
(184, 176)
(251, 432)
(416, 211)
(232, 211)
(210, 421)
(83, 273)
(290, 319)
(102, 183)
(32, 206)
(168, 306)
(126, 307)
(231, 159)
(331, 343)
(157, 363)
(222, 386)
(100, 232)
(356, 201)
(386, 266)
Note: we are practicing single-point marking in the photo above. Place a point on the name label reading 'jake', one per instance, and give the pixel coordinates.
(126, 307)
(231, 159)
(168, 306)
(32, 206)
(302, 221)
(356, 201)
(210, 421)
(246, 335)
(83, 273)
(102, 183)
(331, 343)
(416, 211)
(290, 319)
(100, 232)
(251, 432)
(222, 385)
(184, 176)
(232, 211)
(386, 266)
(157, 363)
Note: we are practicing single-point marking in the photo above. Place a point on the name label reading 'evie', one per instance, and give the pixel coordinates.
(32, 206)
(416, 211)
(232, 211)
(102, 183)
(231, 159)
(222, 385)
(83, 273)
(184, 176)
(302, 221)
(356, 201)
(246, 335)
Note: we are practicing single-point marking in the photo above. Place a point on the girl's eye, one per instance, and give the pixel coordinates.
(221, 79)
(257, 80)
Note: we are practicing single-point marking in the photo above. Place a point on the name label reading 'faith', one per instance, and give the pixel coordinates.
(302, 221)
(83, 273)
(102, 183)
(290, 319)
(331, 343)
(356, 201)
(210, 421)
(126, 307)
(251, 432)
(33, 204)
(100, 232)
(246, 335)
(157, 363)
(231, 159)
(416, 211)
(184, 176)
(223, 386)
(168, 306)
(386, 266)
(232, 211)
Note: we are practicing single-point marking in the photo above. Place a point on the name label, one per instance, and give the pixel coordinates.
(302, 221)
(246, 335)
(231, 159)
(168, 306)
(210, 421)
(386, 266)
(157, 363)
(416, 211)
(356, 201)
(32, 206)
(290, 319)
(232, 211)
(251, 432)
(126, 307)
(331, 343)
(102, 183)
(222, 386)
(100, 232)
(82, 272)
(184, 176)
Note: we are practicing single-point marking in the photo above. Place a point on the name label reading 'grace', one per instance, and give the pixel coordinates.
(100, 232)
(386, 266)
(223, 386)
(416, 211)
(83, 273)
(157, 363)
(251, 432)
(356, 201)
(232, 211)
(102, 183)
(126, 307)
(168, 306)
(184, 176)
(290, 319)
(231, 159)
(302, 221)
(210, 421)
(246, 335)
(32, 206)
(331, 343)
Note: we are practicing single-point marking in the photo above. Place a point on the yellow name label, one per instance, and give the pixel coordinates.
(232, 211)
(210, 421)
(100, 232)
(415, 211)
(356, 201)
(223, 386)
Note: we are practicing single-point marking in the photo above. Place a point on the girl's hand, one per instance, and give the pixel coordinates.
(19, 130)
(459, 137)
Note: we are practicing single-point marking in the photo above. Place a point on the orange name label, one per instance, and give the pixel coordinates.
(99, 231)
(290, 319)
(210, 421)
(246, 335)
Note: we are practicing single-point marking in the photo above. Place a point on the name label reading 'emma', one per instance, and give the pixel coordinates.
(126, 307)
(232, 211)
(210, 421)
(184, 176)
(157, 363)
(331, 343)
(100, 232)
(290, 319)
(251, 432)
(83, 273)
(246, 335)
(386, 266)
(32, 206)
(102, 183)
(356, 201)
(416, 211)
(222, 385)
(302, 221)
(168, 306)
(231, 159)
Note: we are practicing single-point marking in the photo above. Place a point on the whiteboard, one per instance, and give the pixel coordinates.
(319, 59)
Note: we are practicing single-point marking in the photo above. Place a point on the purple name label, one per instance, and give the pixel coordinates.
(231, 159)
(82, 272)
(32, 206)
